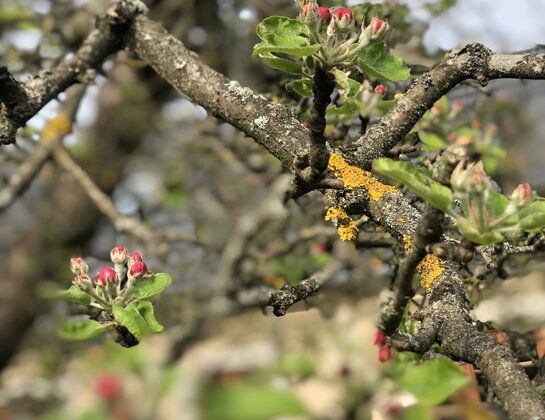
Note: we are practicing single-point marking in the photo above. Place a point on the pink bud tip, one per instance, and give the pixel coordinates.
(119, 255)
(341, 13)
(107, 274)
(437, 108)
(134, 258)
(325, 14)
(452, 137)
(108, 386)
(78, 266)
(82, 279)
(380, 89)
(458, 105)
(384, 354)
(380, 338)
(378, 25)
(138, 269)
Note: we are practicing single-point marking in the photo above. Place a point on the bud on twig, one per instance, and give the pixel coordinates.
(522, 195)
(380, 89)
(78, 266)
(137, 270)
(119, 255)
(83, 281)
(105, 276)
(343, 18)
(377, 29)
(134, 257)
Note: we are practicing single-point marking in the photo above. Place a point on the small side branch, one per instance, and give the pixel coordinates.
(428, 231)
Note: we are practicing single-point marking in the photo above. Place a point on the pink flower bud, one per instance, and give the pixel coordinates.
(134, 257)
(458, 105)
(343, 15)
(108, 386)
(106, 275)
(82, 280)
(384, 354)
(477, 181)
(137, 270)
(377, 29)
(78, 266)
(522, 195)
(119, 255)
(380, 338)
(311, 13)
(380, 89)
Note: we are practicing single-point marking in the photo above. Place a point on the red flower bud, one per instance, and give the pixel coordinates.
(341, 14)
(78, 266)
(137, 270)
(324, 13)
(380, 338)
(384, 354)
(106, 275)
(458, 105)
(119, 255)
(134, 258)
(108, 386)
(380, 89)
(377, 29)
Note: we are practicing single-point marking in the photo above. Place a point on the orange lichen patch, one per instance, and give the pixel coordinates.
(57, 128)
(407, 242)
(346, 227)
(429, 269)
(354, 177)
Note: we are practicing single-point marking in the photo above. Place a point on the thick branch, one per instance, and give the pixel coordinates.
(474, 61)
(37, 91)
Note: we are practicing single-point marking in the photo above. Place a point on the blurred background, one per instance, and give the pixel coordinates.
(219, 195)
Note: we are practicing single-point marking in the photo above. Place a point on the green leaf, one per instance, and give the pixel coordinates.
(129, 317)
(533, 216)
(497, 203)
(348, 88)
(434, 381)
(474, 235)
(302, 87)
(284, 35)
(138, 317)
(426, 188)
(81, 330)
(431, 141)
(145, 309)
(76, 295)
(281, 64)
(350, 107)
(249, 401)
(377, 63)
(150, 286)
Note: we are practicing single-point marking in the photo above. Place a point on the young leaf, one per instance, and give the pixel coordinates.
(145, 309)
(497, 203)
(431, 141)
(434, 381)
(348, 88)
(426, 188)
(76, 295)
(151, 286)
(474, 235)
(377, 63)
(81, 330)
(284, 35)
(302, 87)
(130, 318)
(533, 216)
(281, 64)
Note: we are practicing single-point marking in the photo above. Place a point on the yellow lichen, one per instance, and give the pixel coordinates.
(429, 269)
(346, 227)
(407, 242)
(354, 177)
(402, 220)
(57, 128)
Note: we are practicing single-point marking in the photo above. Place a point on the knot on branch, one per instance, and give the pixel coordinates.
(124, 11)
(475, 58)
(281, 300)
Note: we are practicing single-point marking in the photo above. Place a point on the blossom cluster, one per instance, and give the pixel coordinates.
(110, 285)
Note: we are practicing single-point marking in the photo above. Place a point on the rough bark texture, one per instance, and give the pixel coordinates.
(445, 318)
